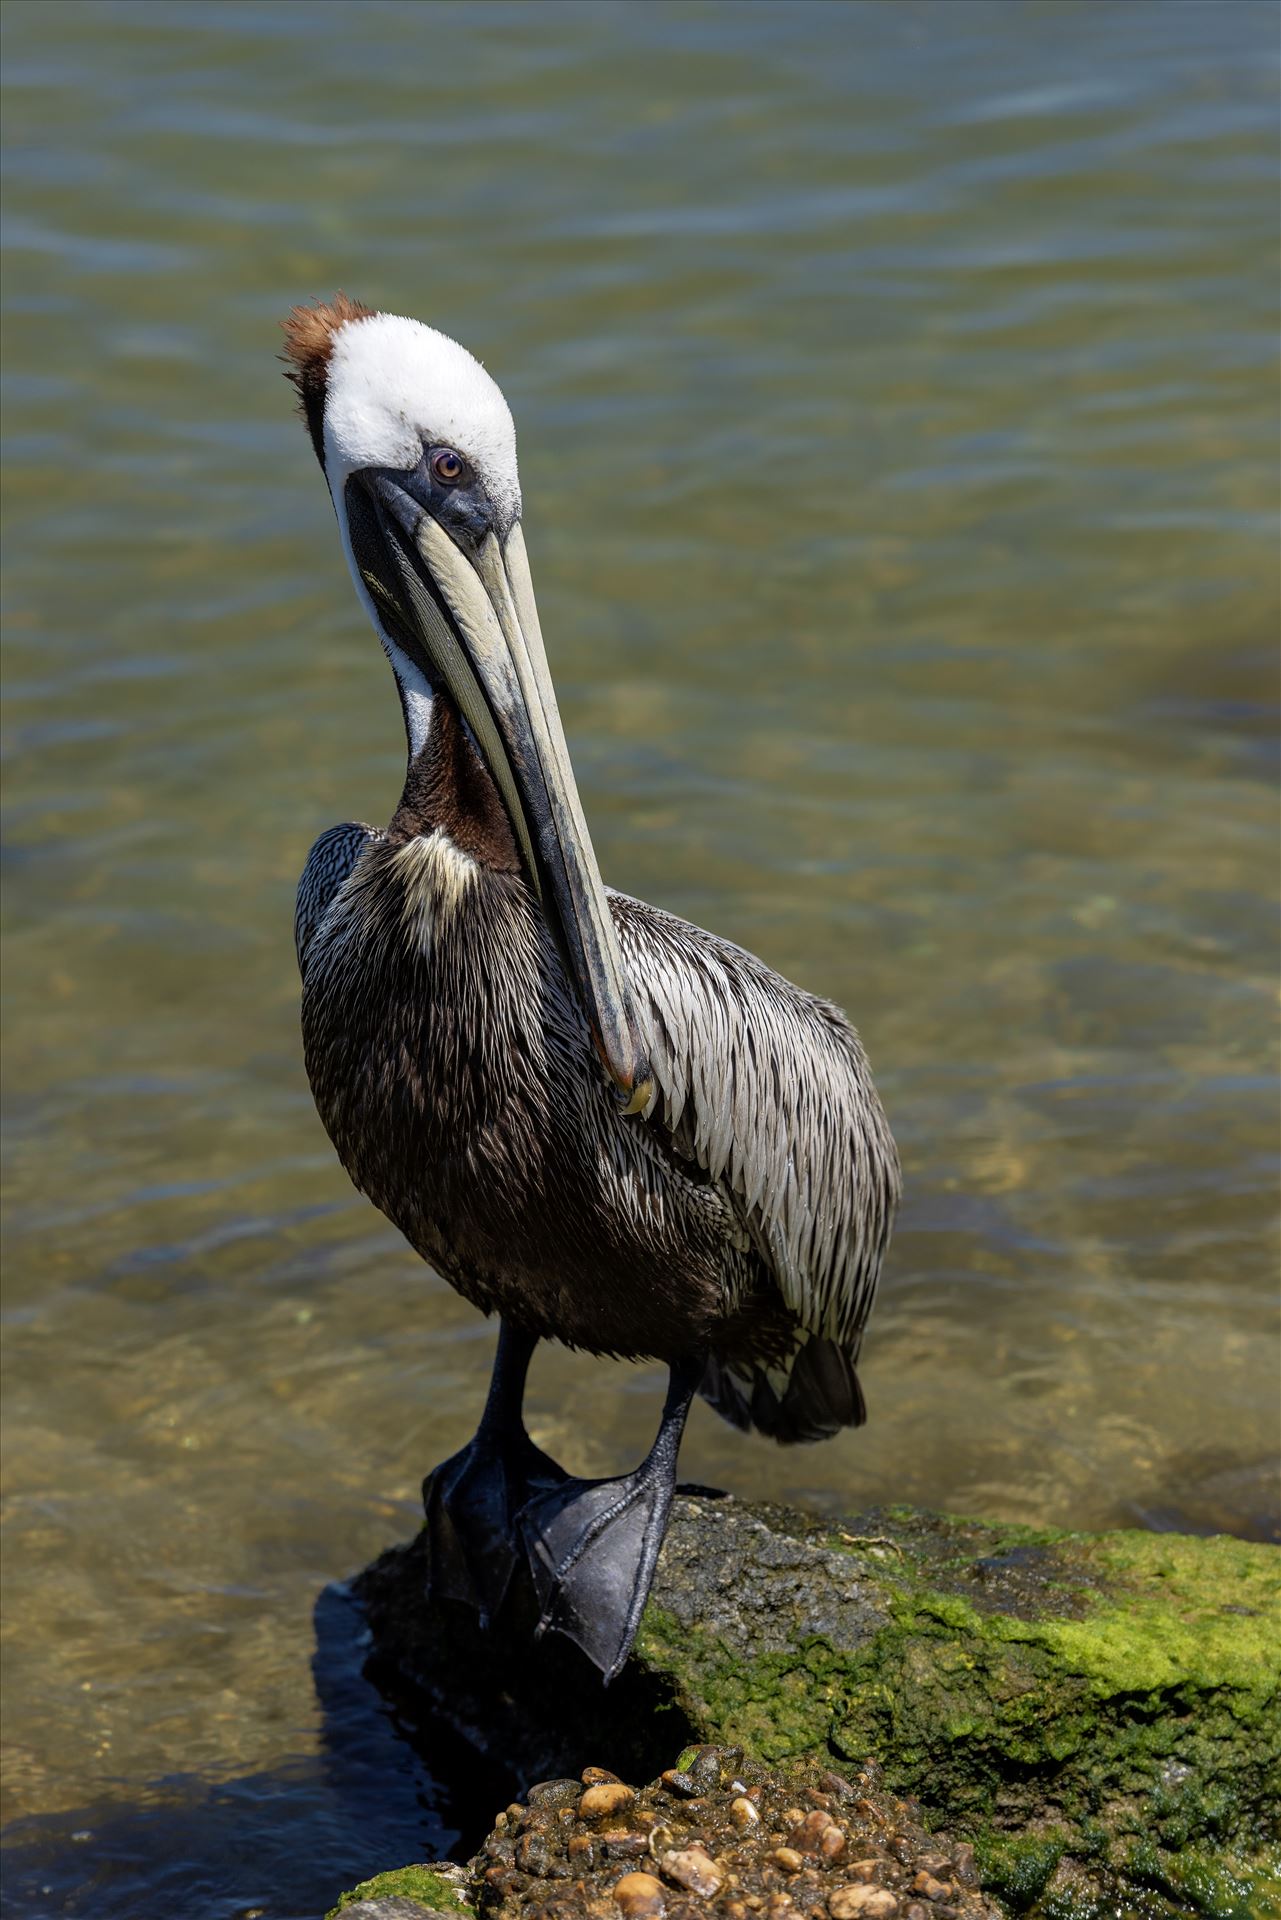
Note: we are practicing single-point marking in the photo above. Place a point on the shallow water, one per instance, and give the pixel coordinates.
(898, 430)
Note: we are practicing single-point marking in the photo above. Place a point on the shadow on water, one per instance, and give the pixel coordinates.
(280, 1844)
(396, 1780)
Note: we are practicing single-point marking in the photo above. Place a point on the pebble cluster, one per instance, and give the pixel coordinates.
(725, 1837)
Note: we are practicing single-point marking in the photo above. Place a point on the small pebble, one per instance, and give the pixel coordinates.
(640, 1894)
(818, 1834)
(553, 1793)
(863, 1869)
(743, 1813)
(705, 1768)
(788, 1859)
(605, 1797)
(599, 1777)
(533, 1854)
(624, 1846)
(679, 1783)
(862, 1903)
(933, 1889)
(693, 1869)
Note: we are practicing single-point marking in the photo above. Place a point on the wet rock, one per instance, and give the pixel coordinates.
(607, 1798)
(862, 1902)
(706, 1859)
(639, 1895)
(680, 1783)
(392, 1907)
(1108, 1700)
(694, 1869)
(440, 1890)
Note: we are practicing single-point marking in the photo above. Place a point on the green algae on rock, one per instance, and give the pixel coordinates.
(1099, 1714)
(435, 1889)
(1110, 1700)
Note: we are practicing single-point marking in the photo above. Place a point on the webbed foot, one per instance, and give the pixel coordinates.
(471, 1502)
(592, 1547)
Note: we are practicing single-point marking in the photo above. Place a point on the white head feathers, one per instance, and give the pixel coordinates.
(393, 385)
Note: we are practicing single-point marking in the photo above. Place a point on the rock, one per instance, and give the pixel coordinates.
(608, 1798)
(680, 1783)
(862, 1903)
(408, 1893)
(1104, 1702)
(817, 1833)
(694, 1869)
(389, 1907)
(1113, 1698)
(639, 1894)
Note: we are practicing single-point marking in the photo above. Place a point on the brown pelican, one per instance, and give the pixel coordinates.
(595, 1120)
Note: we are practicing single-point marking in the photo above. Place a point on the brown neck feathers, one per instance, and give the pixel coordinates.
(449, 786)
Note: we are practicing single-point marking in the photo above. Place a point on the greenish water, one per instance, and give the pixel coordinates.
(898, 422)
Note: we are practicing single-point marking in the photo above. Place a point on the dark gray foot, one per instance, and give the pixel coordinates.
(593, 1545)
(471, 1502)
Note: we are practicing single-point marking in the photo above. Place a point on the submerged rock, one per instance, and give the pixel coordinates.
(1099, 1715)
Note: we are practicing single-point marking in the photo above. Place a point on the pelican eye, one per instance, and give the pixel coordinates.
(449, 467)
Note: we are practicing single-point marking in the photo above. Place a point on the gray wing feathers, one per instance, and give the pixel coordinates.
(328, 865)
(768, 1089)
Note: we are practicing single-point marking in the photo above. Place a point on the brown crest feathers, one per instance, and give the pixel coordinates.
(309, 341)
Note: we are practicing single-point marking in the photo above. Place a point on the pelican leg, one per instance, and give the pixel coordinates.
(593, 1545)
(472, 1499)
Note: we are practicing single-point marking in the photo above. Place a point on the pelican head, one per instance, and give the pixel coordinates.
(419, 451)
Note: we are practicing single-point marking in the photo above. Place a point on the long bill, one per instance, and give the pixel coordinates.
(471, 623)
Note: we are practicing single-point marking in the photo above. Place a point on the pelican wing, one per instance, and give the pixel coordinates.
(328, 865)
(768, 1090)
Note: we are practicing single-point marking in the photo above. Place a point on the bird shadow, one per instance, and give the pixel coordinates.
(414, 1760)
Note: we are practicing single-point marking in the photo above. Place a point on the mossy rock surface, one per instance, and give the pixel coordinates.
(1100, 1714)
(433, 1889)
(1111, 1701)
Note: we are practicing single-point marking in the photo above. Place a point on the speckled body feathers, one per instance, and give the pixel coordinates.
(744, 1216)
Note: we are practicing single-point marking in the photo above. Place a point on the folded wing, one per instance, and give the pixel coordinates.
(768, 1090)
